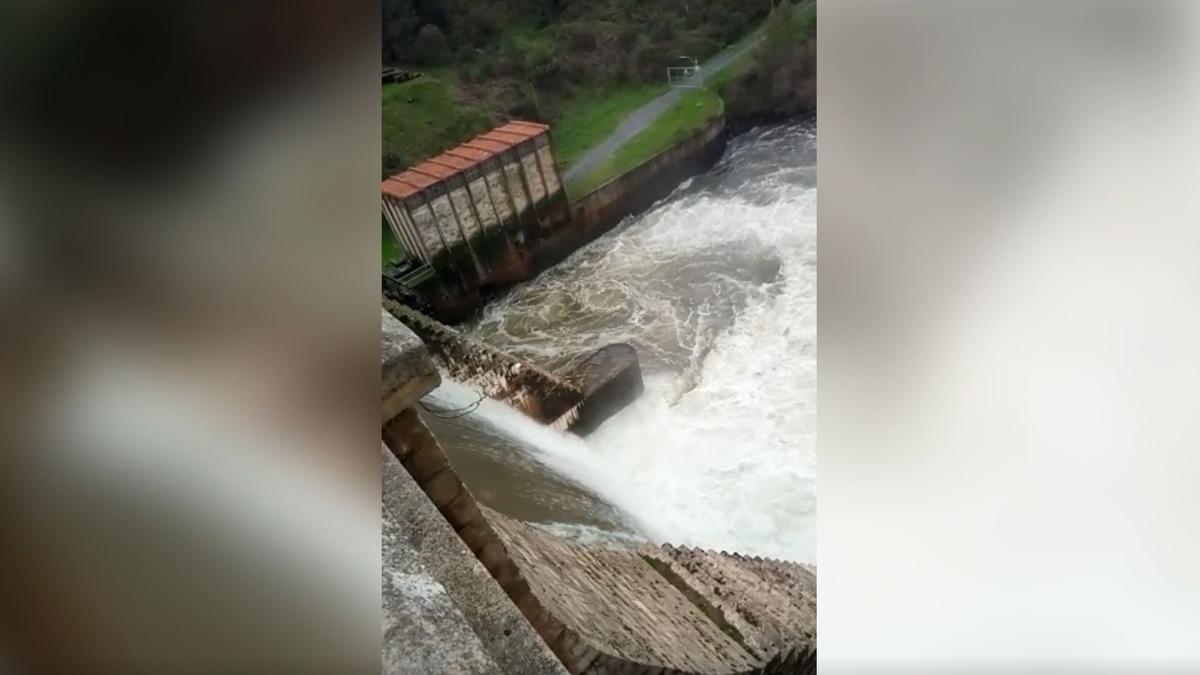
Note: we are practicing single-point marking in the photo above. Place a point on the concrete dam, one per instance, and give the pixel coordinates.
(467, 589)
(715, 287)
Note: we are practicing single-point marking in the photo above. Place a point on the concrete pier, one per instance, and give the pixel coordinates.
(579, 400)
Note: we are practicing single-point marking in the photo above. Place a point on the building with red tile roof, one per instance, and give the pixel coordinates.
(495, 181)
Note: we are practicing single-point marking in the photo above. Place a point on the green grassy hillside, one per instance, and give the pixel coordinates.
(423, 117)
(692, 112)
(581, 66)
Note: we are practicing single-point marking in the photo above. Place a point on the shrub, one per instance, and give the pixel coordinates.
(580, 37)
(649, 59)
(430, 45)
(781, 84)
(548, 75)
(627, 37)
(574, 68)
(523, 106)
(393, 163)
(510, 63)
(481, 70)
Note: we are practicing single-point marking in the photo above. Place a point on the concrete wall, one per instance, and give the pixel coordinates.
(632, 192)
(424, 460)
(653, 179)
(442, 611)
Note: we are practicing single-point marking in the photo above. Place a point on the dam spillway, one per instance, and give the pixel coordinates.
(715, 287)
(571, 608)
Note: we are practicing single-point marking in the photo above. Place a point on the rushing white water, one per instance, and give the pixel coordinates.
(565, 454)
(716, 287)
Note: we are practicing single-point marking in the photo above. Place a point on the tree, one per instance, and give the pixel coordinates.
(430, 45)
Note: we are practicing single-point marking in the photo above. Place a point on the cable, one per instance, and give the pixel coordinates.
(454, 413)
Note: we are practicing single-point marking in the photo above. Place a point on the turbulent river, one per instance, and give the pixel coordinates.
(716, 288)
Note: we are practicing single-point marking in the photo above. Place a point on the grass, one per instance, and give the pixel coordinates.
(804, 20)
(590, 116)
(695, 109)
(424, 117)
(437, 118)
(732, 70)
(692, 112)
(429, 115)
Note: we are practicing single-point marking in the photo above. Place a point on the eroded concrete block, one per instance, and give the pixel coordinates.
(536, 392)
(610, 379)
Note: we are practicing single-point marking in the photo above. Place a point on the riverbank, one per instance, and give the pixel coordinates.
(764, 79)
(580, 67)
(605, 131)
(767, 76)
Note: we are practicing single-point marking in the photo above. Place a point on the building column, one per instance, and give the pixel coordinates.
(471, 202)
(438, 228)
(461, 230)
(511, 202)
(413, 232)
(492, 200)
(538, 164)
(525, 186)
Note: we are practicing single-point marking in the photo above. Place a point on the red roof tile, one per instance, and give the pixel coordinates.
(453, 162)
(490, 147)
(406, 184)
(435, 171)
(461, 158)
(468, 153)
(530, 129)
(501, 136)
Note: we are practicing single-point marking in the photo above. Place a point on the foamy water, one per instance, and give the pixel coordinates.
(716, 287)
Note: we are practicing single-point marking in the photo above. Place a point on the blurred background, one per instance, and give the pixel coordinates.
(1008, 320)
(189, 285)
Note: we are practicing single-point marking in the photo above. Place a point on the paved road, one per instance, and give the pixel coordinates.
(644, 116)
